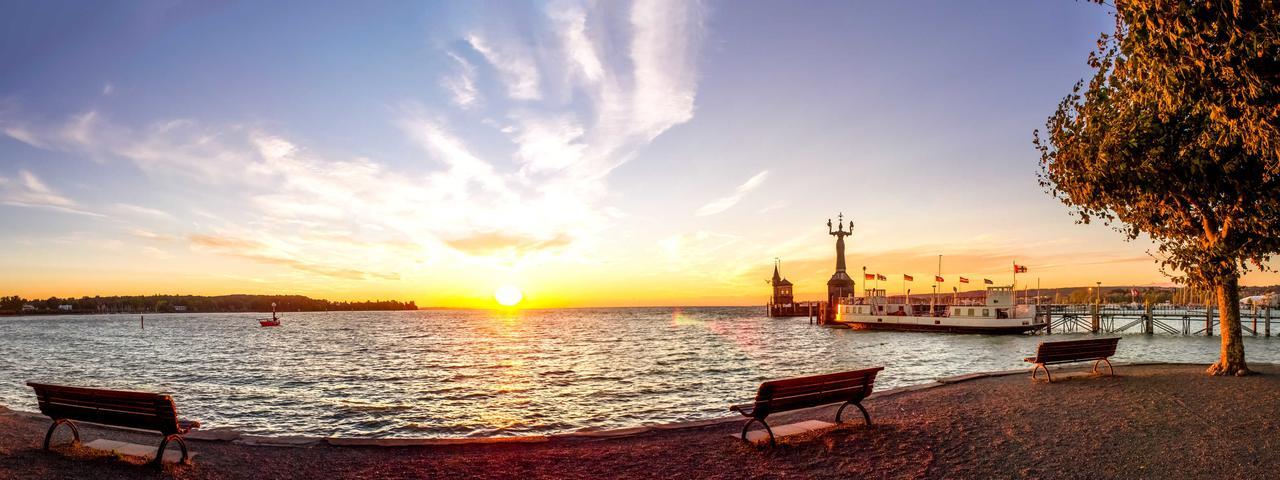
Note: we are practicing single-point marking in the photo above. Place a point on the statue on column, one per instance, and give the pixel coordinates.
(841, 285)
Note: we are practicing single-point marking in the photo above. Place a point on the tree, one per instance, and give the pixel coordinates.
(1176, 138)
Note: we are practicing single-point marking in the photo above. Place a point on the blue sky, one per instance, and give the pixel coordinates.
(590, 153)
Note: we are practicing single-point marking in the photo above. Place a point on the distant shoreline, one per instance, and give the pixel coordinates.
(268, 312)
(143, 304)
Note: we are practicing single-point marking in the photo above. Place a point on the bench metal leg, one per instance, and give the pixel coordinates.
(75, 432)
(865, 416)
(772, 443)
(182, 444)
(1110, 371)
(1037, 367)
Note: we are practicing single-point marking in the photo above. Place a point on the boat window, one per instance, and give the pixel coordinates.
(957, 311)
(986, 312)
(970, 312)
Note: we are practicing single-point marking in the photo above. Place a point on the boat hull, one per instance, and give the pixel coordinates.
(269, 323)
(919, 327)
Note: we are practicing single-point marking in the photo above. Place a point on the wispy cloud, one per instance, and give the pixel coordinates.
(462, 85)
(157, 253)
(175, 148)
(264, 253)
(145, 234)
(724, 203)
(664, 63)
(22, 134)
(138, 210)
(27, 190)
(773, 207)
(513, 64)
(489, 243)
(586, 99)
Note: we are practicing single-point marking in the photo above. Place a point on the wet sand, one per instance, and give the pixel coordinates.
(1152, 421)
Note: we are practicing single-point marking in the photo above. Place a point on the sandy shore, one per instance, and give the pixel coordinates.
(1154, 421)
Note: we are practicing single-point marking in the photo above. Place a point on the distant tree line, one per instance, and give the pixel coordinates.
(191, 303)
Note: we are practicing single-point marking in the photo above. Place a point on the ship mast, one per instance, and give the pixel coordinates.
(933, 299)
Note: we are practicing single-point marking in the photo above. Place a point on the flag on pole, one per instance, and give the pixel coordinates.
(869, 276)
(1019, 268)
(988, 281)
(881, 278)
(964, 280)
(938, 278)
(908, 278)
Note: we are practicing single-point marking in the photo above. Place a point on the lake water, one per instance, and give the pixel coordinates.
(483, 373)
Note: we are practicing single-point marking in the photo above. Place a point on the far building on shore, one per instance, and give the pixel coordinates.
(783, 302)
(782, 293)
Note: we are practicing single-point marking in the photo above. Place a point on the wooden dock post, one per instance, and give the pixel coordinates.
(1208, 319)
(1149, 326)
(1268, 321)
(1093, 326)
(1255, 320)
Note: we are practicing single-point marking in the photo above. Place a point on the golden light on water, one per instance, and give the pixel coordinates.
(508, 295)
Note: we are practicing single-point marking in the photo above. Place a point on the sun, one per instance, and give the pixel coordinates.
(508, 296)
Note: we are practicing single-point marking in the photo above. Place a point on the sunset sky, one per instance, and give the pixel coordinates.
(590, 154)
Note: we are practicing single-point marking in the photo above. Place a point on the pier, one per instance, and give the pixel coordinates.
(795, 309)
(1163, 319)
(1094, 318)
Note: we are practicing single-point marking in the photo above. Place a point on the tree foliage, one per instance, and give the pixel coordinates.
(1175, 137)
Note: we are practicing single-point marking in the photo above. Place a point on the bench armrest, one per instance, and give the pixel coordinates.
(745, 409)
(1031, 360)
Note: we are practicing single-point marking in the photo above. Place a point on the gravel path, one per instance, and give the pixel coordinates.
(1165, 421)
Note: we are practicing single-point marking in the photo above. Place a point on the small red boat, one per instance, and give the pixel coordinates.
(274, 321)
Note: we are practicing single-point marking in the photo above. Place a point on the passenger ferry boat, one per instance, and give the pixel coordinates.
(998, 313)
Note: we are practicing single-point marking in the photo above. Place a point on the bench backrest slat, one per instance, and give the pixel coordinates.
(1077, 349)
(148, 411)
(801, 392)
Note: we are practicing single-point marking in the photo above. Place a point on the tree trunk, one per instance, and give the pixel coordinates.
(1231, 361)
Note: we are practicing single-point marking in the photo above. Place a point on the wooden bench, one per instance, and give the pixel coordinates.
(145, 411)
(848, 388)
(1071, 351)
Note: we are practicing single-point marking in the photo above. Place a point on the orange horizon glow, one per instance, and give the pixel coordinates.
(549, 285)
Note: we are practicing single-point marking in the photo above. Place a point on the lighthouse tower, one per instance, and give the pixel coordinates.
(782, 294)
(840, 285)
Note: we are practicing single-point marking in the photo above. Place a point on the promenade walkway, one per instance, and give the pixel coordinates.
(1155, 421)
